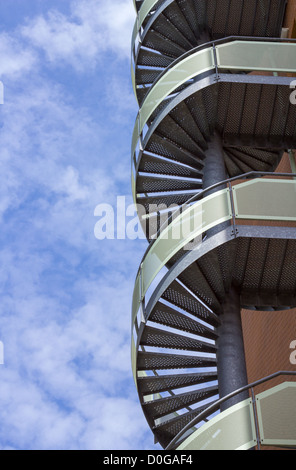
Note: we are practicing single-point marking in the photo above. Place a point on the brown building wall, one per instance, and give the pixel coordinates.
(290, 18)
(268, 336)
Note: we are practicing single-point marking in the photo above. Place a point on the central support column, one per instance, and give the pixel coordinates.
(214, 172)
(214, 169)
(231, 364)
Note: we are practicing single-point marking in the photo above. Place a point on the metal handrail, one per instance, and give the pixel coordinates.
(202, 194)
(141, 120)
(216, 42)
(138, 10)
(215, 406)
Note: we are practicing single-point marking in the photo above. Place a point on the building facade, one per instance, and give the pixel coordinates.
(214, 181)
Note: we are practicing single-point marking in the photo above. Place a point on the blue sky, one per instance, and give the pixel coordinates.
(65, 133)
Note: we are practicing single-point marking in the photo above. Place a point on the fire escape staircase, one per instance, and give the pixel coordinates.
(205, 70)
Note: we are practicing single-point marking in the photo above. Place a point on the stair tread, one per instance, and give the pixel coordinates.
(158, 144)
(156, 337)
(164, 406)
(156, 164)
(179, 296)
(168, 429)
(176, 13)
(165, 315)
(157, 384)
(159, 43)
(150, 184)
(194, 279)
(171, 32)
(161, 361)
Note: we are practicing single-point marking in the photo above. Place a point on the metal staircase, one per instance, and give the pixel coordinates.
(212, 81)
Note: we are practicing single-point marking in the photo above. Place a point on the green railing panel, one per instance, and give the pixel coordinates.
(258, 199)
(133, 187)
(133, 80)
(136, 298)
(276, 410)
(233, 429)
(146, 7)
(197, 219)
(193, 222)
(143, 12)
(265, 199)
(195, 64)
(256, 55)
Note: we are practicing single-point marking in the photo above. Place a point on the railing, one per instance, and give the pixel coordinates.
(266, 199)
(142, 14)
(189, 66)
(203, 215)
(231, 54)
(144, 11)
(205, 212)
(217, 404)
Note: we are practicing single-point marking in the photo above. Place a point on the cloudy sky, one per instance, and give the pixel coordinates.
(65, 133)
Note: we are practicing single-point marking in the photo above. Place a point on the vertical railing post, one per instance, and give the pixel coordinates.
(292, 156)
(255, 418)
(215, 61)
(235, 231)
(142, 296)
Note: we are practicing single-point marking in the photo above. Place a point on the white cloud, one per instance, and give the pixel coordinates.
(94, 28)
(15, 58)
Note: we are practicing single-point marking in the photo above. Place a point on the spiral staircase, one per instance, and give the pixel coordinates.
(212, 80)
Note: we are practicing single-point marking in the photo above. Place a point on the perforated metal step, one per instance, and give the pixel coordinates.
(164, 406)
(160, 361)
